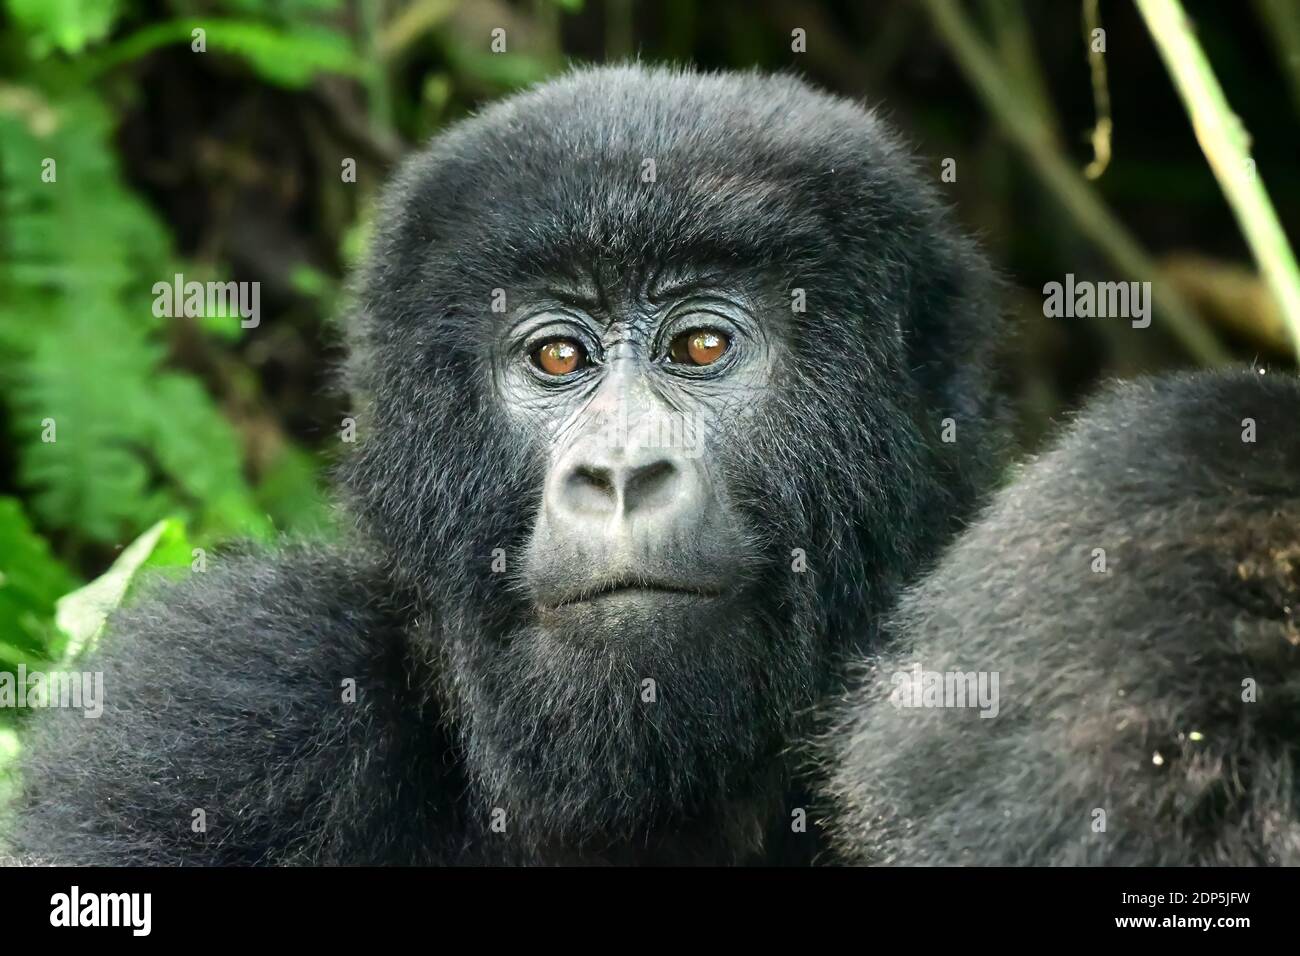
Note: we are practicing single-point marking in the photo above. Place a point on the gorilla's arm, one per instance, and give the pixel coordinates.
(1159, 697)
(226, 694)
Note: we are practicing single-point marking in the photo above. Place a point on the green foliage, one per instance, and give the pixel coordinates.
(289, 56)
(67, 25)
(31, 581)
(109, 440)
(291, 496)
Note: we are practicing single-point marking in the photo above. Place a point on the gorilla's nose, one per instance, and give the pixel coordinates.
(632, 483)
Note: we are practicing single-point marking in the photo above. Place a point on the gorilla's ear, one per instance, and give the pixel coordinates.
(953, 330)
(956, 326)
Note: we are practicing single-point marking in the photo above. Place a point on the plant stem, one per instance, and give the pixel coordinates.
(1226, 145)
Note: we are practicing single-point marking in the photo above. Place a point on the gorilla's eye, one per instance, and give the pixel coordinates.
(559, 356)
(698, 347)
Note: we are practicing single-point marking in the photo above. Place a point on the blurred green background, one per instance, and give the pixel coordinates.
(228, 163)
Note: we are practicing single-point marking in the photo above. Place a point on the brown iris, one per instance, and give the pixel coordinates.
(560, 357)
(698, 347)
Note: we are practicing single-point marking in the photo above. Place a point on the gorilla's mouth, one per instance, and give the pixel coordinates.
(632, 589)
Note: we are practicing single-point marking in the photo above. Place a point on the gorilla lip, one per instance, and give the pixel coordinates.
(628, 586)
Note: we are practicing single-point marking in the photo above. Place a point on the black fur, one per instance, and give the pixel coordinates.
(224, 693)
(1120, 691)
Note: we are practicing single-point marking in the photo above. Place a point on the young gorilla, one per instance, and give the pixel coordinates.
(655, 369)
(1137, 592)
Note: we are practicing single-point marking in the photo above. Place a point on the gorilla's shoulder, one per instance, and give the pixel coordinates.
(284, 615)
(1135, 590)
(1164, 437)
(1153, 473)
(246, 712)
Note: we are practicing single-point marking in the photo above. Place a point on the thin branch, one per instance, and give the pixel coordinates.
(1101, 133)
(1226, 145)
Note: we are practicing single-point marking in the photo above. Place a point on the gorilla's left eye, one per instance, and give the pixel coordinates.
(698, 347)
(559, 356)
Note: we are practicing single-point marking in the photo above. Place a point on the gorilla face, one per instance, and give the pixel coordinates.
(654, 367)
(643, 667)
(633, 399)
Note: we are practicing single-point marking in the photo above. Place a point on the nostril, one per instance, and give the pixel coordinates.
(600, 490)
(590, 489)
(602, 479)
(650, 486)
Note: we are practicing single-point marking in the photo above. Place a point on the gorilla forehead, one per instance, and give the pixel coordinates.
(748, 169)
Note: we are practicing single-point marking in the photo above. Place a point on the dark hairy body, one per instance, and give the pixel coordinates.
(1150, 711)
(567, 646)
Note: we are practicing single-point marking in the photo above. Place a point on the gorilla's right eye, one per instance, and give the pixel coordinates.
(559, 356)
(698, 347)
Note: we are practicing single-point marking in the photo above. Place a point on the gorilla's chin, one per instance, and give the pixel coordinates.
(613, 725)
(632, 616)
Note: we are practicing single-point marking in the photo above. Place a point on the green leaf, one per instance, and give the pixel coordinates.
(67, 25)
(31, 580)
(290, 56)
(81, 614)
(173, 548)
